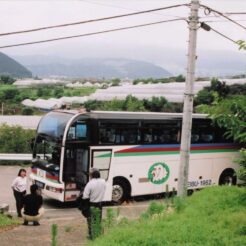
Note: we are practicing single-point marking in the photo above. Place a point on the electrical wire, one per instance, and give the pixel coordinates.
(92, 33)
(223, 35)
(120, 7)
(93, 20)
(208, 10)
(235, 13)
(221, 20)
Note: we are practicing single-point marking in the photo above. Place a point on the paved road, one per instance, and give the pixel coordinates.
(55, 209)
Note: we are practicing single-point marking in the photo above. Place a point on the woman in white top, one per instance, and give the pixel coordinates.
(19, 186)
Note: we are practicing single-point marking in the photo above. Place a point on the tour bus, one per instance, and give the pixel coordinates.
(137, 153)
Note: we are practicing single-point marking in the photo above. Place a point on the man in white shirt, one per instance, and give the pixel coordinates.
(94, 192)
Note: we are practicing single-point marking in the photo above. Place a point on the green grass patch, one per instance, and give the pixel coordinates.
(5, 221)
(213, 216)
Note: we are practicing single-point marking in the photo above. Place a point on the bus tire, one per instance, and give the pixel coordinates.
(120, 190)
(228, 177)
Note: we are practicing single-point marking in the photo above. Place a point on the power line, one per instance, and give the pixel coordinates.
(222, 20)
(235, 13)
(92, 33)
(208, 10)
(92, 20)
(221, 34)
(120, 7)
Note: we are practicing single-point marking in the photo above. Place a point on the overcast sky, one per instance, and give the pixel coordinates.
(19, 15)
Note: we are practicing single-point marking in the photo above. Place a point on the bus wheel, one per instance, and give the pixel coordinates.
(119, 191)
(228, 177)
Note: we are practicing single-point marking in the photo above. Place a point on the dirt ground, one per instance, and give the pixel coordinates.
(71, 232)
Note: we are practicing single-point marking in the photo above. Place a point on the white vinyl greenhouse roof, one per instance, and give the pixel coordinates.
(173, 92)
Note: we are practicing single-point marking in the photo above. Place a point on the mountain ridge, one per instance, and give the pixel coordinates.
(96, 67)
(9, 66)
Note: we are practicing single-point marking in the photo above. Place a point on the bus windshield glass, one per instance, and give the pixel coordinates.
(47, 154)
(53, 125)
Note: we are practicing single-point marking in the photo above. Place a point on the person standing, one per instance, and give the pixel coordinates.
(19, 186)
(94, 192)
(32, 206)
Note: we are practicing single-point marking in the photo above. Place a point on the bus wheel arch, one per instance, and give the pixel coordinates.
(228, 177)
(121, 190)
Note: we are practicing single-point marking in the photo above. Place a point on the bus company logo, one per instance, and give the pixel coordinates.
(158, 173)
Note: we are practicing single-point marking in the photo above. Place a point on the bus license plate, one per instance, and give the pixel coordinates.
(39, 184)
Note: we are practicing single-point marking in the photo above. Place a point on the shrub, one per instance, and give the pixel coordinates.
(15, 139)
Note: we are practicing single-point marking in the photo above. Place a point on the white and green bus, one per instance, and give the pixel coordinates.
(137, 153)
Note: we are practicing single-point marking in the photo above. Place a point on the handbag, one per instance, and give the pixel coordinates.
(84, 206)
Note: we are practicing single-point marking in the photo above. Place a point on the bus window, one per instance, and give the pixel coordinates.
(160, 133)
(203, 132)
(107, 136)
(147, 135)
(207, 138)
(117, 133)
(195, 138)
(77, 131)
(129, 136)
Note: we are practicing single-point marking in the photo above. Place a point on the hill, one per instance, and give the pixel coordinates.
(13, 68)
(93, 67)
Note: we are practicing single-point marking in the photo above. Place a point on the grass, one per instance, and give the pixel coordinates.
(213, 216)
(6, 222)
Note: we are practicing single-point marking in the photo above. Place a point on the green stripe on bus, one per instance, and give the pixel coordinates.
(147, 153)
(52, 180)
(166, 153)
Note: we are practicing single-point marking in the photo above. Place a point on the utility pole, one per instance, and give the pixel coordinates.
(188, 101)
(2, 108)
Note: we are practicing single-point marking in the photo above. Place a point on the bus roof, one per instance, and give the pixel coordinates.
(139, 115)
(131, 115)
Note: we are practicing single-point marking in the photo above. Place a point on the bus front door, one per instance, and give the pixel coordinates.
(102, 159)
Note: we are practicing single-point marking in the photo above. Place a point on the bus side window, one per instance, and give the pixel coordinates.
(102, 136)
(207, 138)
(147, 136)
(194, 138)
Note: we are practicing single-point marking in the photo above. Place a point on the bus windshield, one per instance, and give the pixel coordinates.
(47, 154)
(53, 124)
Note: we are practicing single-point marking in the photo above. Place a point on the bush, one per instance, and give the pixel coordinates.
(15, 139)
(180, 78)
(27, 111)
(6, 79)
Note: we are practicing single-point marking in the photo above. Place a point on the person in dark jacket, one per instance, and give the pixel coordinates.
(32, 206)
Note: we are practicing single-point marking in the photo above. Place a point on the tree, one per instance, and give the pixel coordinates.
(40, 92)
(158, 104)
(27, 111)
(216, 90)
(58, 92)
(133, 104)
(115, 82)
(15, 139)
(9, 94)
(204, 97)
(180, 78)
(242, 44)
(6, 79)
(230, 113)
(220, 87)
